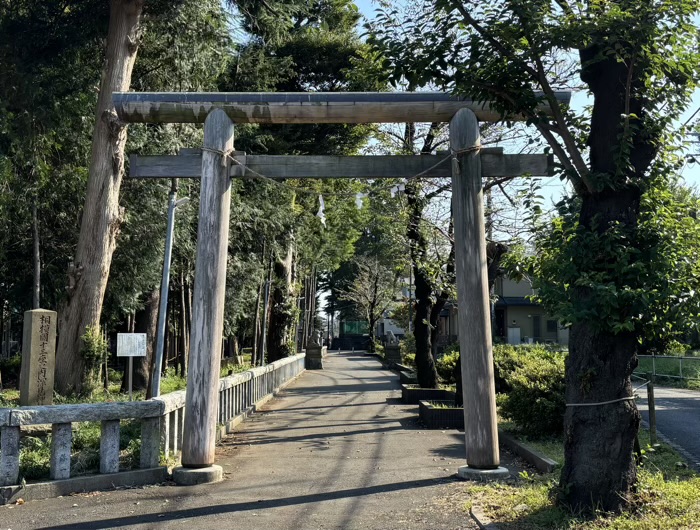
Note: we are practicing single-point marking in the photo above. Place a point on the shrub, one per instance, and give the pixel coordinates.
(535, 401)
(9, 368)
(408, 344)
(675, 347)
(34, 457)
(409, 359)
(529, 380)
(446, 364)
(506, 358)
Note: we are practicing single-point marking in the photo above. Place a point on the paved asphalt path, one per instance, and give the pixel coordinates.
(677, 418)
(336, 450)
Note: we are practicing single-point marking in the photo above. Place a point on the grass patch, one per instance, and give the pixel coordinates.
(9, 398)
(551, 447)
(35, 450)
(442, 405)
(667, 496)
(230, 368)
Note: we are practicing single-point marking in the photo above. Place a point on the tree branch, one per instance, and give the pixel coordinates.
(497, 182)
(563, 130)
(494, 42)
(561, 154)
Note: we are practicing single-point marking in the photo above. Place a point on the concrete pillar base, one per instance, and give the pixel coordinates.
(482, 475)
(186, 476)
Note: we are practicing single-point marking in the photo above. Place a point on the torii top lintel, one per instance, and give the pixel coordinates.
(301, 107)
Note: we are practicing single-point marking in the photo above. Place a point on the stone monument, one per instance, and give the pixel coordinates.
(392, 349)
(315, 352)
(38, 358)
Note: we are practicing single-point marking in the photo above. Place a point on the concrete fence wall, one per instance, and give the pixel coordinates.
(162, 421)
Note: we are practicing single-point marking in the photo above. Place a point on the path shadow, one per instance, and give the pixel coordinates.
(220, 509)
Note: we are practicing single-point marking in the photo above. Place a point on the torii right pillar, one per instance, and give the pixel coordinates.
(476, 349)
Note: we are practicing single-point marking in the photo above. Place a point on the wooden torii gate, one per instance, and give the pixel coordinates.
(469, 163)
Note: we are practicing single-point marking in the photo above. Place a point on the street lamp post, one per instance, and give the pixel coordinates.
(173, 203)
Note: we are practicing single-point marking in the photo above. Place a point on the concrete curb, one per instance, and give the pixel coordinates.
(541, 462)
(481, 520)
(56, 488)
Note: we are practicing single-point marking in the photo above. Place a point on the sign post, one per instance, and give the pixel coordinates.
(131, 345)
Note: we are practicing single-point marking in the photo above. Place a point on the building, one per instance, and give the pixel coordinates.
(517, 319)
(520, 320)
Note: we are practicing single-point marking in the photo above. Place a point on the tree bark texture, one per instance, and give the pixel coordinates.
(145, 321)
(282, 305)
(87, 278)
(599, 468)
(426, 372)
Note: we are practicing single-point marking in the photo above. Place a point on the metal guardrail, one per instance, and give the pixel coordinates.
(657, 371)
(161, 418)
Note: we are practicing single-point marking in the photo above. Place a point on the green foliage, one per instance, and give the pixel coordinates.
(535, 401)
(506, 358)
(446, 364)
(94, 345)
(409, 359)
(651, 287)
(172, 382)
(10, 368)
(408, 344)
(34, 457)
(675, 347)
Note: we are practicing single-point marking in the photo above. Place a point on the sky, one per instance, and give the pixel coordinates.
(690, 174)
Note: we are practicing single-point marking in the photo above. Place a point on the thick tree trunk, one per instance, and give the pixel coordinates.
(2, 329)
(599, 467)
(426, 372)
(146, 321)
(234, 350)
(279, 339)
(435, 311)
(101, 215)
(599, 470)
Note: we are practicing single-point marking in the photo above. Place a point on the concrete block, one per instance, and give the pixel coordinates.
(109, 447)
(184, 476)
(61, 445)
(9, 455)
(314, 357)
(392, 354)
(483, 475)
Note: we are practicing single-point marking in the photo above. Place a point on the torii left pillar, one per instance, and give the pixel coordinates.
(199, 438)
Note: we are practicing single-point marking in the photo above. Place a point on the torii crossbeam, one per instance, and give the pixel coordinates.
(188, 164)
(219, 112)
